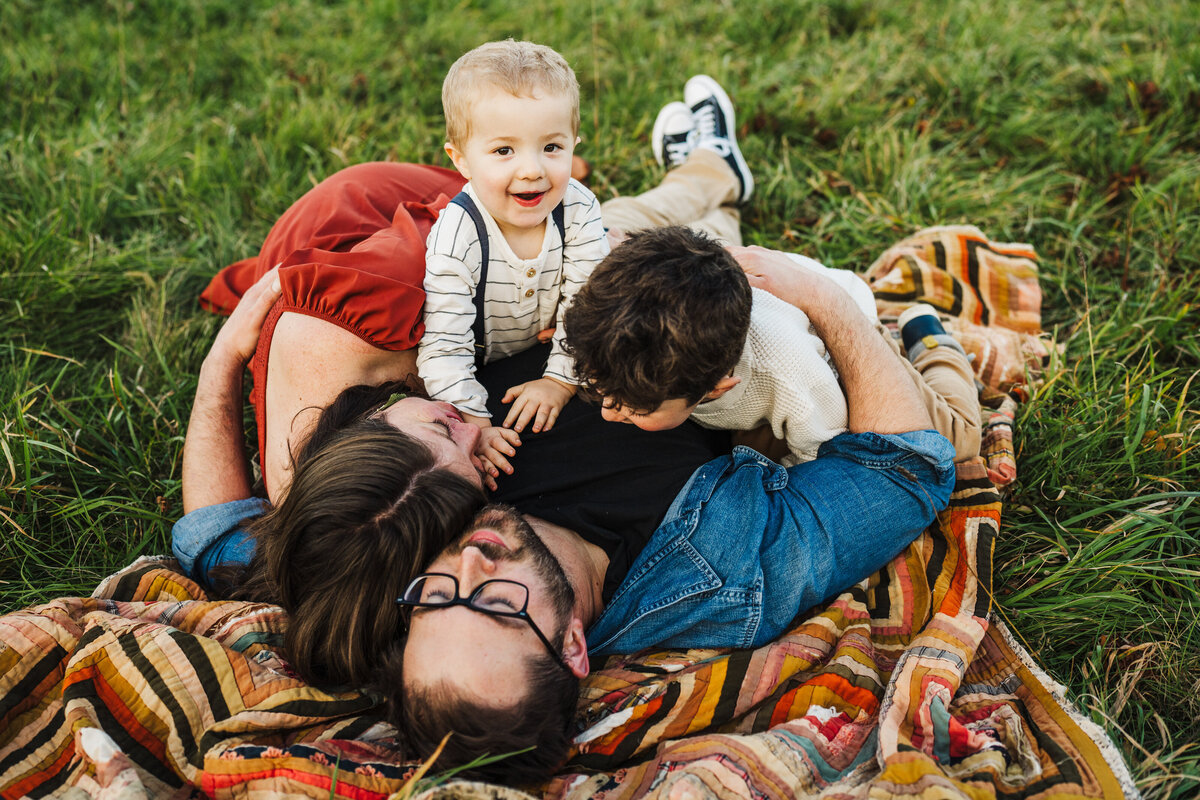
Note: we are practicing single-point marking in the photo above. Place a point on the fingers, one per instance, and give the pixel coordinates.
(512, 394)
(482, 467)
(238, 337)
(262, 296)
(514, 413)
(524, 410)
(538, 402)
(512, 440)
(495, 447)
(546, 416)
(494, 464)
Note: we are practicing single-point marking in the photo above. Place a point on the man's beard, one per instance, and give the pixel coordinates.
(507, 520)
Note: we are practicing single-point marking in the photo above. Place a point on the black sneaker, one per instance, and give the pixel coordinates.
(674, 135)
(715, 131)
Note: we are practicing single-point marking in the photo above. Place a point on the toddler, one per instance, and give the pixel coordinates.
(673, 330)
(507, 255)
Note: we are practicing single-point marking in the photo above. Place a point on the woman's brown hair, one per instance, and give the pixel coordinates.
(368, 507)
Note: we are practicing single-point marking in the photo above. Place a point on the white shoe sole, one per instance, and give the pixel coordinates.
(660, 125)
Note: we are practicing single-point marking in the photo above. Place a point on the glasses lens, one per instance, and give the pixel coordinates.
(432, 590)
(501, 597)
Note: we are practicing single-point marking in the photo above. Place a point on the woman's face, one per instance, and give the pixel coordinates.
(443, 430)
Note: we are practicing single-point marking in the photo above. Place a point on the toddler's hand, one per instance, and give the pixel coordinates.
(537, 401)
(495, 447)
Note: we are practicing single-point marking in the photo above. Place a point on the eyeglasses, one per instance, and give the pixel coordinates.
(495, 598)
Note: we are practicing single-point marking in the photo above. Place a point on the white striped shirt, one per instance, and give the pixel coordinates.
(522, 296)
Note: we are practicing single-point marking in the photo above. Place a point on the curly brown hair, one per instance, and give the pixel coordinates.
(664, 316)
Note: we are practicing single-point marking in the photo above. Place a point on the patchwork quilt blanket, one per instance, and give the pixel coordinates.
(904, 685)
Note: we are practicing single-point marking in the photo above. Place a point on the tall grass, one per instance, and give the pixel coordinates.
(145, 144)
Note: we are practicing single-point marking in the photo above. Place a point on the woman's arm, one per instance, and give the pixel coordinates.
(214, 460)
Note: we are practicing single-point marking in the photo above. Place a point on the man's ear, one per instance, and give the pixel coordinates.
(574, 649)
(723, 386)
(460, 162)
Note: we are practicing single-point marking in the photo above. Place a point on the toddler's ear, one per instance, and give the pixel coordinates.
(460, 163)
(723, 386)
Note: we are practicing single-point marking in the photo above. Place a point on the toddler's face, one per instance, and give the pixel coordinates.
(671, 414)
(518, 158)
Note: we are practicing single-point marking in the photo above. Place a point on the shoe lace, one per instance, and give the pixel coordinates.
(677, 152)
(706, 121)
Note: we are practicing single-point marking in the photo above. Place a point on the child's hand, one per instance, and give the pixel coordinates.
(537, 401)
(495, 446)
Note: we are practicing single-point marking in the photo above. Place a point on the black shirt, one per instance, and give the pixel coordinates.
(609, 482)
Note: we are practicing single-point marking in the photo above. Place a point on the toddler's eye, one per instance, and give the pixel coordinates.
(503, 151)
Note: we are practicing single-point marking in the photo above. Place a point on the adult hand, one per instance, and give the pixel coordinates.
(538, 401)
(615, 237)
(776, 273)
(238, 337)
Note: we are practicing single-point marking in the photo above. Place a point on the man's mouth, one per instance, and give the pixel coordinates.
(486, 535)
(528, 199)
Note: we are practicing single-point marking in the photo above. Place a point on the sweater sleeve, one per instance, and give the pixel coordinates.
(585, 246)
(808, 406)
(446, 355)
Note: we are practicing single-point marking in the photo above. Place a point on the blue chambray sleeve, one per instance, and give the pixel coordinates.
(214, 535)
(862, 501)
(927, 455)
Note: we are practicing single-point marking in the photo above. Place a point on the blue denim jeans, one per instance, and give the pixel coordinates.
(748, 544)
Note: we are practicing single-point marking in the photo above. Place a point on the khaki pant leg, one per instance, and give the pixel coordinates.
(947, 385)
(723, 224)
(694, 194)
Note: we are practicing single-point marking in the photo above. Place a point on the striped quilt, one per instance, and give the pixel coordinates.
(901, 686)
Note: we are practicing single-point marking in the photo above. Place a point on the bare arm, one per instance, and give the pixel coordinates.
(214, 462)
(880, 395)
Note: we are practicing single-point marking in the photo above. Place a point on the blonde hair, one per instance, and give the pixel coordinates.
(519, 68)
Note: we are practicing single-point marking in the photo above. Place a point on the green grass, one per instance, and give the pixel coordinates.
(144, 145)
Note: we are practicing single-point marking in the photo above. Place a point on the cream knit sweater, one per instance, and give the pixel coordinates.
(787, 380)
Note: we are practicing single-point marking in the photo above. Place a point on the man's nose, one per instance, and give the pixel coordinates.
(474, 568)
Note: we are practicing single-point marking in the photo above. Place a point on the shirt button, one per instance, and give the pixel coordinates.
(529, 292)
(531, 273)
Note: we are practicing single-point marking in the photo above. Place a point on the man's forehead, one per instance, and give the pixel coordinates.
(441, 639)
(485, 661)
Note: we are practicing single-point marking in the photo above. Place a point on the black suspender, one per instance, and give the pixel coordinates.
(464, 201)
(559, 216)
